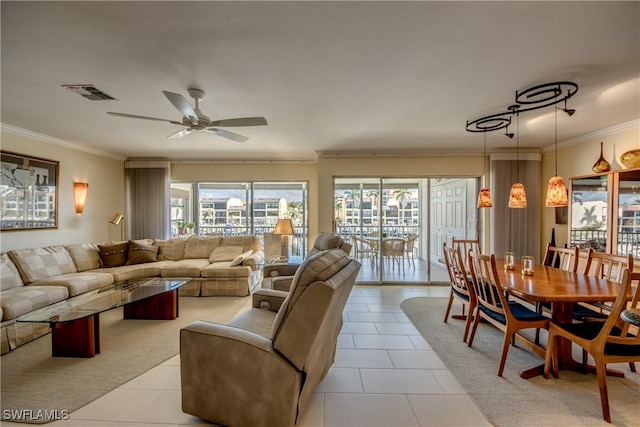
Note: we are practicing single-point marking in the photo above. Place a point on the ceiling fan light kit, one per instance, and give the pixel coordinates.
(195, 120)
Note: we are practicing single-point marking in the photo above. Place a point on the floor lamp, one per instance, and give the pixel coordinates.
(284, 228)
(118, 219)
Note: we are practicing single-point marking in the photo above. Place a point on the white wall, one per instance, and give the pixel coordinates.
(105, 196)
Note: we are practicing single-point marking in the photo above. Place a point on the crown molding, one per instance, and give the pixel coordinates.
(57, 141)
(595, 135)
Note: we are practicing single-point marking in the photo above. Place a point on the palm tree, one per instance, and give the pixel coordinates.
(294, 210)
(403, 196)
(589, 216)
(354, 196)
(374, 196)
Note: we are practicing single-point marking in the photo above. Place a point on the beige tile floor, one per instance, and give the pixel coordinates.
(385, 374)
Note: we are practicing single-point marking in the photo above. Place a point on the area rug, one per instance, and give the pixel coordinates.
(34, 381)
(572, 399)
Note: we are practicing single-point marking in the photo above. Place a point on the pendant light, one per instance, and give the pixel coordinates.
(484, 196)
(557, 195)
(517, 195)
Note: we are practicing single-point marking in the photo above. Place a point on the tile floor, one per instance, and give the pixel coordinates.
(384, 375)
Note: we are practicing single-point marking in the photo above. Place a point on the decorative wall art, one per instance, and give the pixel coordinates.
(28, 192)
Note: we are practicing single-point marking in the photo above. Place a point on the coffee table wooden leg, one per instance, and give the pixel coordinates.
(159, 307)
(78, 338)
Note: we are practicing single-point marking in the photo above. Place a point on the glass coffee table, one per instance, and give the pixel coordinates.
(75, 322)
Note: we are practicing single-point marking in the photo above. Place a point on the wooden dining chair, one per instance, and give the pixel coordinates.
(607, 342)
(562, 258)
(494, 306)
(461, 287)
(603, 266)
(466, 245)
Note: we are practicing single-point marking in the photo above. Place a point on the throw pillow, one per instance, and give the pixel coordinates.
(240, 258)
(113, 255)
(140, 253)
(225, 253)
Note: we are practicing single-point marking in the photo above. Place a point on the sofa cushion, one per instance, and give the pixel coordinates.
(140, 253)
(247, 242)
(240, 258)
(86, 256)
(171, 250)
(201, 247)
(9, 274)
(113, 255)
(184, 268)
(225, 253)
(77, 283)
(24, 299)
(134, 271)
(42, 263)
(224, 270)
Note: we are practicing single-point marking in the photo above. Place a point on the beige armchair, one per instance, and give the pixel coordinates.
(279, 276)
(261, 368)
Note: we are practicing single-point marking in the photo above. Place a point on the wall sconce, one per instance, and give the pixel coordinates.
(118, 219)
(284, 228)
(80, 195)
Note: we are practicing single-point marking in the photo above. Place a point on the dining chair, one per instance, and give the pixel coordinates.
(466, 245)
(562, 258)
(494, 306)
(393, 251)
(607, 342)
(365, 250)
(409, 248)
(603, 266)
(461, 287)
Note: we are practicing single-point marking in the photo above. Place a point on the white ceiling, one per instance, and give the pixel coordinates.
(328, 76)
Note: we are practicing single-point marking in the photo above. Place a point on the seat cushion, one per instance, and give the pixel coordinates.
(78, 283)
(255, 320)
(185, 267)
(134, 271)
(24, 299)
(224, 270)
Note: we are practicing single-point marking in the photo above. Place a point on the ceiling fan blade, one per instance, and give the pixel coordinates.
(244, 121)
(226, 134)
(182, 105)
(180, 133)
(133, 116)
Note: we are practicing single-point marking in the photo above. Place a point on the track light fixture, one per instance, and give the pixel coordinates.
(533, 98)
(508, 134)
(570, 111)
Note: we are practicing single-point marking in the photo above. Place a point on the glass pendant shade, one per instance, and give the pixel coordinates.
(556, 193)
(484, 198)
(517, 196)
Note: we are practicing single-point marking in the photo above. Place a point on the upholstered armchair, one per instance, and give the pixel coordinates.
(261, 368)
(279, 276)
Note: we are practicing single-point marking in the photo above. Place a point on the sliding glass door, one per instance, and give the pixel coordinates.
(242, 208)
(397, 225)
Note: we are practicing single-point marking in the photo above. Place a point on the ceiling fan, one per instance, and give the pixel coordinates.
(195, 120)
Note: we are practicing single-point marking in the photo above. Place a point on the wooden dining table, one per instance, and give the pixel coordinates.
(562, 289)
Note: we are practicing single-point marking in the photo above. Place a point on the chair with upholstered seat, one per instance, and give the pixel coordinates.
(461, 287)
(466, 245)
(607, 342)
(562, 258)
(494, 306)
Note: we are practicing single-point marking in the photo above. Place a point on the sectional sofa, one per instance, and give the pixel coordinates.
(34, 278)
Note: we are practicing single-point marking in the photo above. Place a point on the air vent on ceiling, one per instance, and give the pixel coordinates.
(89, 91)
